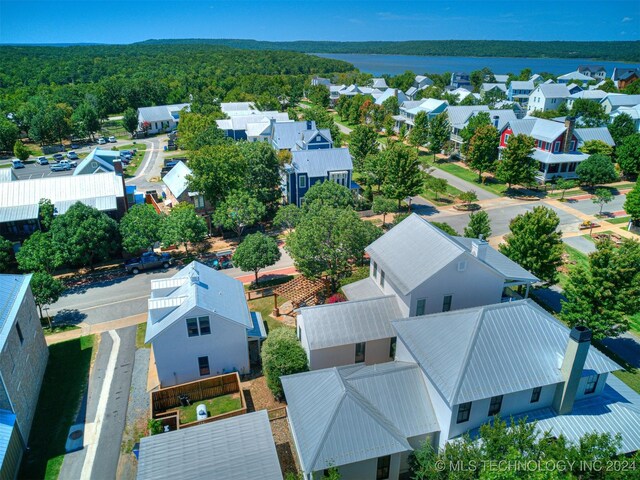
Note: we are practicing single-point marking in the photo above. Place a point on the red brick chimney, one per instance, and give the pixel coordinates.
(569, 125)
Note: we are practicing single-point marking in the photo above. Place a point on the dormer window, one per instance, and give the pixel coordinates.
(592, 383)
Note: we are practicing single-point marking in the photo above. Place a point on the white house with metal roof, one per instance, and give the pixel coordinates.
(237, 108)
(199, 325)
(23, 360)
(176, 189)
(236, 448)
(614, 101)
(97, 161)
(547, 96)
(162, 118)
(409, 109)
(252, 126)
(519, 91)
(633, 112)
(419, 83)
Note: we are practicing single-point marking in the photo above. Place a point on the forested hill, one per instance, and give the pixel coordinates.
(622, 51)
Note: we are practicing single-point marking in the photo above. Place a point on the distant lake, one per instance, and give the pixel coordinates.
(395, 64)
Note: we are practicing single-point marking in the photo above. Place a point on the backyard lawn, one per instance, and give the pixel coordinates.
(215, 406)
(63, 386)
(264, 305)
(490, 184)
(574, 257)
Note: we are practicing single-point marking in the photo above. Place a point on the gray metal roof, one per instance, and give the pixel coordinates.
(196, 285)
(287, 134)
(349, 414)
(550, 157)
(319, 162)
(590, 94)
(7, 175)
(362, 289)
(523, 126)
(19, 199)
(615, 410)
(504, 117)
(503, 264)
(240, 122)
(553, 90)
(481, 352)
(97, 161)
(13, 288)
(236, 448)
(522, 85)
(459, 115)
(487, 87)
(347, 323)
(176, 180)
(575, 76)
(622, 100)
(547, 130)
(161, 113)
(237, 106)
(391, 92)
(501, 78)
(596, 133)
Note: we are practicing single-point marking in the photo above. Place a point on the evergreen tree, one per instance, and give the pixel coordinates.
(6, 254)
(21, 151)
(517, 166)
(479, 224)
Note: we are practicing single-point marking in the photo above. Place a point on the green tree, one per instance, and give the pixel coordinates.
(468, 197)
(436, 185)
(140, 228)
(596, 146)
(198, 130)
(6, 254)
(282, 355)
(419, 134)
(375, 169)
(287, 216)
(256, 252)
(439, 132)
(535, 243)
(262, 176)
(46, 213)
(563, 185)
(237, 211)
(467, 133)
(391, 106)
(482, 153)
(85, 235)
(85, 120)
(591, 113)
(130, 121)
(517, 166)
(319, 94)
(383, 206)
(479, 224)
(327, 240)
(328, 194)
(9, 134)
(404, 178)
(446, 228)
(46, 290)
(628, 154)
(621, 127)
(596, 170)
(21, 151)
(39, 254)
(632, 203)
(602, 197)
(183, 226)
(217, 171)
(363, 141)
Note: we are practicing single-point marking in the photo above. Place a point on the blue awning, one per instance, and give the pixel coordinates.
(257, 331)
(354, 186)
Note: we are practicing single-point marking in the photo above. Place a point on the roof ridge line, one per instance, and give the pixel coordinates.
(467, 355)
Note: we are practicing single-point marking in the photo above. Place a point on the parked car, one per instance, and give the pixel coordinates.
(58, 157)
(72, 156)
(42, 161)
(148, 261)
(17, 163)
(75, 145)
(112, 139)
(60, 166)
(102, 141)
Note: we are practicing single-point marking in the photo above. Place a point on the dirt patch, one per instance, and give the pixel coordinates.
(258, 395)
(284, 446)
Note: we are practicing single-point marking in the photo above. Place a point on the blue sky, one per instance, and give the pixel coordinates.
(126, 21)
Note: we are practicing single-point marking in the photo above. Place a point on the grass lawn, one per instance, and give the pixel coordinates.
(58, 329)
(443, 199)
(265, 307)
(619, 220)
(338, 119)
(64, 384)
(132, 168)
(576, 257)
(490, 184)
(141, 332)
(215, 406)
(634, 323)
(113, 127)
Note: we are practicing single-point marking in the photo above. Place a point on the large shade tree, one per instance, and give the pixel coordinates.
(482, 154)
(238, 211)
(256, 252)
(404, 176)
(517, 165)
(140, 228)
(183, 226)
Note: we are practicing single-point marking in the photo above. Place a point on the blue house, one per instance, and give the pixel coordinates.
(460, 80)
(519, 91)
(300, 136)
(309, 167)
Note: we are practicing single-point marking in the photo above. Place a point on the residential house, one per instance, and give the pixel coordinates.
(353, 90)
(459, 117)
(574, 77)
(633, 112)
(557, 144)
(547, 96)
(420, 83)
(334, 93)
(231, 109)
(236, 448)
(623, 77)
(460, 80)
(379, 84)
(19, 200)
(176, 189)
(613, 101)
(254, 126)
(162, 118)
(536, 79)
(315, 81)
(495, 88)
(303, 135)
(312, 166)
(574, 88)
(23, 360)
(391, 92)
(520, 91)
(597, 72)
(461, 93)
(98, 161)
(408, 111)
(595, 95)
(199, 325)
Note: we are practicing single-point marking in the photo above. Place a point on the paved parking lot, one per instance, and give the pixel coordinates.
(34, 170)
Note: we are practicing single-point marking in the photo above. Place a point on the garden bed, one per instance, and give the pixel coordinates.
(467, 208)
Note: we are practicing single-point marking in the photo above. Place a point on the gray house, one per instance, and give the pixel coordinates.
(23, 360)
(162, 118)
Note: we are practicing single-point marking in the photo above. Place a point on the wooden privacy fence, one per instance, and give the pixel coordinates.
(168, 398)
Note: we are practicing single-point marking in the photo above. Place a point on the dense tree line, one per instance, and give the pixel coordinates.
(627, 51)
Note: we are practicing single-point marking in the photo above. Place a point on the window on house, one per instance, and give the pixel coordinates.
(382, 278)
(19, 330)
(375, 270)
(392, 347)
(535, 395)
(302, 181)
(592, 382)
(382, 472)
(446, 303)
(495, 405)
(421, 306)
(198, 201)
(203, 366)
(553, 168)
(556, 147)
(318, 138)
(205, 327)
(360, 348)
(464, 411)
(192, 327)
(506, 137)
(572, 146)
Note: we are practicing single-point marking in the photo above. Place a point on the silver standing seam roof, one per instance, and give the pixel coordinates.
(236, 448)
(7, 175)
(348, 414)
(481, 352)
(161, 113)
(347, 323)
(362, 289)
(595, 133)
(554, 90)
(319, 162)
(176, 180)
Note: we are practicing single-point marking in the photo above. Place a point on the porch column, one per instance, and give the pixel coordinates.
(526, 294)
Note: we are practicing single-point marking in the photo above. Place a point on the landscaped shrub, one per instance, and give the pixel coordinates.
(282, 355)
(336, 298)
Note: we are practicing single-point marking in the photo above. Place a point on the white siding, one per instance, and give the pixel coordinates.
(376, 351)
(365, 470)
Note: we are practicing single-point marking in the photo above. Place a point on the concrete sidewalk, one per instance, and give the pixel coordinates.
(87, 329)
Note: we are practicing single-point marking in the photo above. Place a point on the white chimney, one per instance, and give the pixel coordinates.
(572, 365)
(194, 277)
(479, 248)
